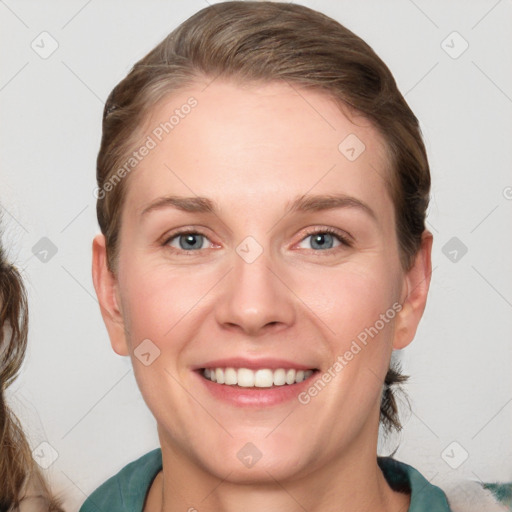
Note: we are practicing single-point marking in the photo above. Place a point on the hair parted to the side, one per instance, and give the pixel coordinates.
(20, 478)
(251, 42)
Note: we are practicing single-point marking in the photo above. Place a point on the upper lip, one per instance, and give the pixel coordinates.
(254, 364)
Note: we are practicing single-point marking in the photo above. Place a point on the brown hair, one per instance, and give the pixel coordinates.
(19, 474)
(260, 42)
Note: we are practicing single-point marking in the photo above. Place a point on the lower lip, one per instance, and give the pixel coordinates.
(255, 397)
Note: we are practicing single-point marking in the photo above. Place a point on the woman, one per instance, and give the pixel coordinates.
(262, 189)
(23, 488)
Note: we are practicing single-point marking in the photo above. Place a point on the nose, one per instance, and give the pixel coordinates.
(255, 298)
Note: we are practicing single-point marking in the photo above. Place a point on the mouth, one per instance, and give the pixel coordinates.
(254, 382)
(256, 378)
(258, 388)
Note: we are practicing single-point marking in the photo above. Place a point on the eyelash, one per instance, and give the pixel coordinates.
(344, 240)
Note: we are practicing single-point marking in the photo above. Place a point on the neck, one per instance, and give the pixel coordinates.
(352, 482)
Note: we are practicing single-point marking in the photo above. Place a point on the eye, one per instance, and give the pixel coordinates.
(187, 241)
(324, 239)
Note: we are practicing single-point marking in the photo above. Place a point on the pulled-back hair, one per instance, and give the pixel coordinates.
(260, 42)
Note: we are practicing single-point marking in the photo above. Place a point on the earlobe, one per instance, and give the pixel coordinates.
(107, 291)
(414, 293)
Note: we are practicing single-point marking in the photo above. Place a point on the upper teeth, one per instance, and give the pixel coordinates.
(263, 378)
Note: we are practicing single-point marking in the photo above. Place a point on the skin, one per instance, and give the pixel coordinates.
(252, 149)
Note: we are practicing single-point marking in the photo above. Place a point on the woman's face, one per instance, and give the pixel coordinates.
(258, 233)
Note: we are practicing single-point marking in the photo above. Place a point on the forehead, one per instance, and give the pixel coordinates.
(253, 143)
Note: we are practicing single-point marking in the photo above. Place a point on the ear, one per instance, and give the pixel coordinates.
(414, 293)
(107, 291)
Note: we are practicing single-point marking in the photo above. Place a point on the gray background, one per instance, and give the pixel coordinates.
(78, 400)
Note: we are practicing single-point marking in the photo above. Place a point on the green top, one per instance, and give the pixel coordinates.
(126, 491)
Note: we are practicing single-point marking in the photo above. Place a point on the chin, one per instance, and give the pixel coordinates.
(258, 461)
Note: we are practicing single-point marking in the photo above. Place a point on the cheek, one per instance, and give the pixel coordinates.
(160, 312)
(352, 297)
(356, 307)
(158, 301)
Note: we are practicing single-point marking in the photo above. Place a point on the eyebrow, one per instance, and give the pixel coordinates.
(308, 203)
(303, 203)
(186, 204)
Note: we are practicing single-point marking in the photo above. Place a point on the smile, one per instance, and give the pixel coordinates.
(258, 378)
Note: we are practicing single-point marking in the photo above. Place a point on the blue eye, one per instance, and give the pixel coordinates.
(187, 241)
(324, 239)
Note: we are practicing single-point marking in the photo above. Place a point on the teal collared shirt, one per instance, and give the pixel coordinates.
(126, 491)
